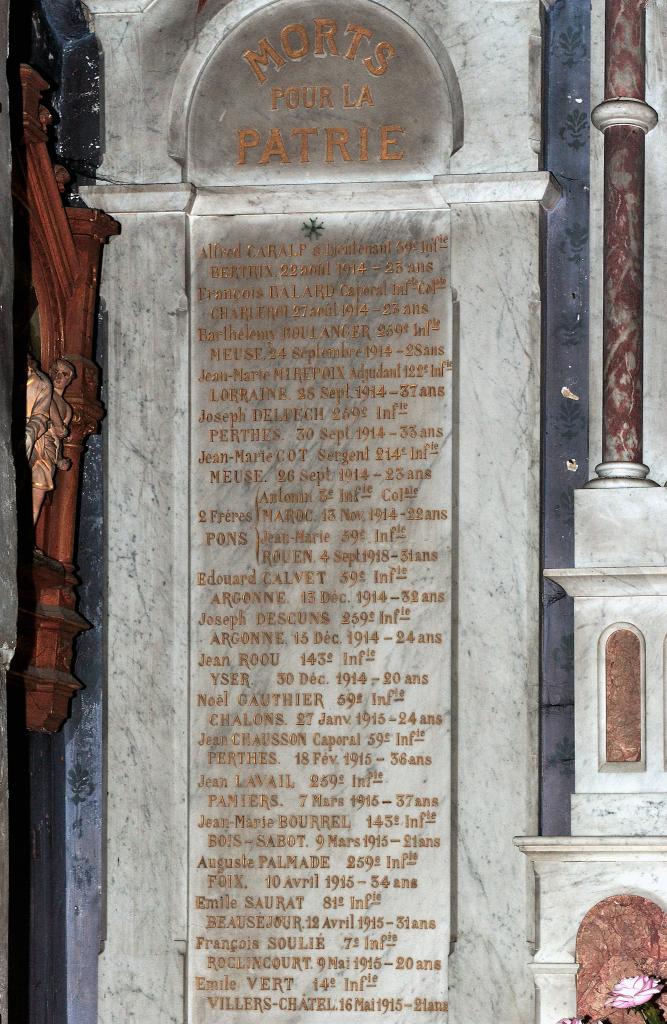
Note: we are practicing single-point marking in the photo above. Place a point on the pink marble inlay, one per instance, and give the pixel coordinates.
(619, 938)
(623, 696)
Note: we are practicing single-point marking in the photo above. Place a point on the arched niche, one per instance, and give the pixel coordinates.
(620, 937)
(285, 93)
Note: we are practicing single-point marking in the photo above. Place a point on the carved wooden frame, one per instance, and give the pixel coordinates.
(65, 253)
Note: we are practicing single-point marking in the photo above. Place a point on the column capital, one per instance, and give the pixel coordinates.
(633, 113)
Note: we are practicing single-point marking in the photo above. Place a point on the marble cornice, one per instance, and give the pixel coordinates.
(120, 7)
(441, 192)
(130, 198)
(540, 849)
(626, 581)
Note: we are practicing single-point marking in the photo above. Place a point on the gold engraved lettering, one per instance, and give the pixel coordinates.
(359, 34)
(295, 52)
(363, 143)
(339, 145)
(303, 133)
(320, 363)
(276, 147)
(248, 139)
(365, 97)
(310, 97)
(260, 60)
(296, 43)
(326, 28)
(386, 142)
(383, 53)
(337, 138)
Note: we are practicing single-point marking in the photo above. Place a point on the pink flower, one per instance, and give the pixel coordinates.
(634, 992)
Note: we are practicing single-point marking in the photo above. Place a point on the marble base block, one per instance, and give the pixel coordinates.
(621, 527)
(619, 814)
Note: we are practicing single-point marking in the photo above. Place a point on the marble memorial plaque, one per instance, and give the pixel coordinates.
(321, 421)
(303, 92)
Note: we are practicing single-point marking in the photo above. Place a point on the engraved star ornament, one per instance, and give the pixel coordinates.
(312, 227)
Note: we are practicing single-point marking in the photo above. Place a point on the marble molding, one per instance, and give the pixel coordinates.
(439, 192)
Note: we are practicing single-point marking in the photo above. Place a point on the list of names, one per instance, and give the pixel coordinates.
(320, 636)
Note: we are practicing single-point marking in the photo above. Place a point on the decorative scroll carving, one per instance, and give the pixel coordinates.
(620, 937)
(64, 250)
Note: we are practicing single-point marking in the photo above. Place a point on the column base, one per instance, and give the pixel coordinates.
(621, 474)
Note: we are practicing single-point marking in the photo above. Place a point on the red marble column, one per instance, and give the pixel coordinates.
(625, 118)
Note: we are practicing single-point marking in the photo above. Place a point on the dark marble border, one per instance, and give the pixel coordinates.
(565, 364)
(67, 53)
(65, 771)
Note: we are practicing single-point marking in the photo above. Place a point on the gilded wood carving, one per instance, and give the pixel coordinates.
(64, 251)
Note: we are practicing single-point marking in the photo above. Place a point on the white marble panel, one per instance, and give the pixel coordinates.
(619, 814)
(141, 967)
(141, 53)
(255, 120)
(495, 275)
(493, 45)
(593, 619)
(295, 441)
(621, 527)
(499, 107)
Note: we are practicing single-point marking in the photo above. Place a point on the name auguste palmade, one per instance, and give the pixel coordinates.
(332, 144)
